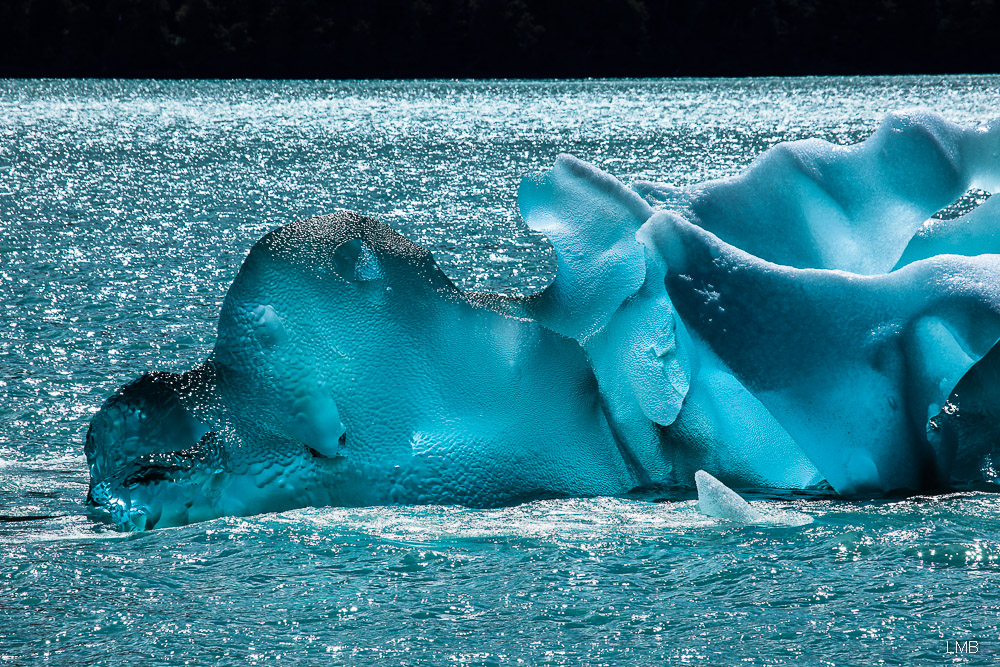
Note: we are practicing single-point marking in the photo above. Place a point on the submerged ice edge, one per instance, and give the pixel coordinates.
(349, 370)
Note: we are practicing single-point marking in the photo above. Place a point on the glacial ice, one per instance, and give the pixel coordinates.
(800, 325)
(717, 500)
(812, 204)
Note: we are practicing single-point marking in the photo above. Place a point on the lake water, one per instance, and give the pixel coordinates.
(126, 208)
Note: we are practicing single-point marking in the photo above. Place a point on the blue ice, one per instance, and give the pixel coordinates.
(804, 324)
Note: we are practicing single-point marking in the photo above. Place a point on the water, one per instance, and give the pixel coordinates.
(126, 208)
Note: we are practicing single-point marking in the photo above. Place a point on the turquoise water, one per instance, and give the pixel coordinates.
(125, 211)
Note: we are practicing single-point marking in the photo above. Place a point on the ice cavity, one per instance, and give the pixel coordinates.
(793, 326)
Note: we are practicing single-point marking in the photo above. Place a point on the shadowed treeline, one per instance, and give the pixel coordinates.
(480, 38)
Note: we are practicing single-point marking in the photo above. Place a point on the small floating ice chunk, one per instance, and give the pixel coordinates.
(718, 500)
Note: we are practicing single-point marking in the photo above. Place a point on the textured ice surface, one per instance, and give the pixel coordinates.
(349, 370)
(798, 325)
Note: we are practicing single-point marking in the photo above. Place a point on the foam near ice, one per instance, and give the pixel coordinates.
(797, 325)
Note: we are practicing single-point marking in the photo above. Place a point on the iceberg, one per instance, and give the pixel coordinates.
(804, 324)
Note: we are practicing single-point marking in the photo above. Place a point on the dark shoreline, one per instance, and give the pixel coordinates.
(448, 39)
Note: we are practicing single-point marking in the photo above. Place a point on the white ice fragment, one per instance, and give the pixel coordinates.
(717, 500)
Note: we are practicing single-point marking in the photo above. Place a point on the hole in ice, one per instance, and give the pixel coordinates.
(354, 261)
(320, 455)
(963, 205)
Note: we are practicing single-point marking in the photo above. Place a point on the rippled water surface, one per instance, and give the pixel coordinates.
(125, 211)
